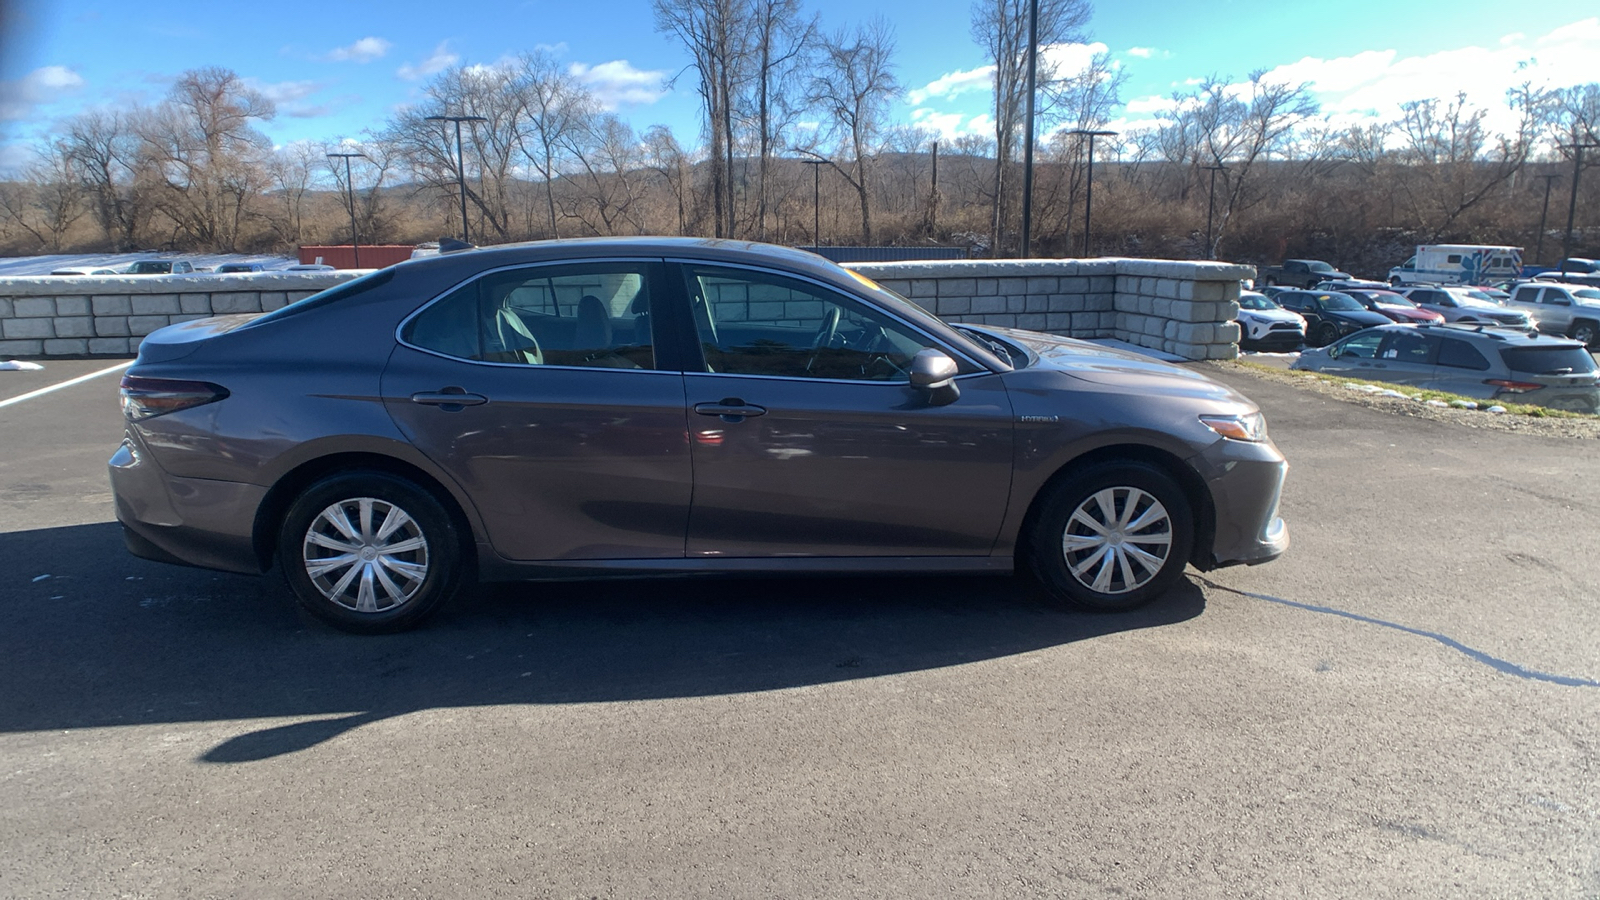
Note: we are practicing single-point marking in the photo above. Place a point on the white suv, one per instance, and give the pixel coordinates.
(1569, 309)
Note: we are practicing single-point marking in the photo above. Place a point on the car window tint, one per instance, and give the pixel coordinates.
(1461, 355)
(1363, 346)
(1548, 360)
(758, 323)
(1412, 349)
(595, 316)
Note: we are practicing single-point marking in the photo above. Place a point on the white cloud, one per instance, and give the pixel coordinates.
(952, 125)
(44, 85)
(363, 51)
(1141, 52)
(945, 86)
(1150, 106)
(285, 91)
(441, 59)
(618, 83)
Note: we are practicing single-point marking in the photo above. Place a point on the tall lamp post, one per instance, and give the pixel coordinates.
(816, 197)
(1538, 254)
(1211, 199)
(350, 188)
(461, 171)
(1027, 141)
(1577, 148)
(1088, 196)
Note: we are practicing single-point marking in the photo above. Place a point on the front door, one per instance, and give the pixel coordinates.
(537, 389)
(808, 439)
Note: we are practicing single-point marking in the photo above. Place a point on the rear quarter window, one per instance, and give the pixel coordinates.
(1461, 355)
(1548, 360)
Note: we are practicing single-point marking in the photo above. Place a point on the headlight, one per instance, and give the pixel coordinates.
(1251, 427)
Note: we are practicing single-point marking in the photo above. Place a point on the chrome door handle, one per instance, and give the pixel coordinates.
(730, 409)
(450, 400)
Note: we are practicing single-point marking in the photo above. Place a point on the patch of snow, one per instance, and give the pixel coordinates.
(1393, 393)
(1497, 409)
(1463, 404)
(19, 365)
(1439, 403)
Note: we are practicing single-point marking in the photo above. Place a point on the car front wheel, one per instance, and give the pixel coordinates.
(1585, 332)
(369, 552)
(1112, 537)
(1326, 334)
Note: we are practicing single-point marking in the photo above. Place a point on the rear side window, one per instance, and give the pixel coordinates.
(1548, 360)
(1461, 355)
(1525, 295)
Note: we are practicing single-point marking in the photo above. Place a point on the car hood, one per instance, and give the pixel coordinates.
(1411, 312)
(1359, 316)
(1272, 315)
(1124, 369)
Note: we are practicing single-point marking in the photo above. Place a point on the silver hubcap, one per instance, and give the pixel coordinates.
(366, 555)
(1117, 540)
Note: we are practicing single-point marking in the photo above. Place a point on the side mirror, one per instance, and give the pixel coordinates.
(932, 370)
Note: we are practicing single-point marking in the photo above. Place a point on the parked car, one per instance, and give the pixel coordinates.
(160, 267)
(84, 270)
(240, 268)
(1394, 306)
(1346, 284)
(308, 267)
(1300, 273)
(1329, 315)
(1573, 271)
(1502, 364)
(1569, 309)
(1266, 325)
(641, 406)
(1457, 304)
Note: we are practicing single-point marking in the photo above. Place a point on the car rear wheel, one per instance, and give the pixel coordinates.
(369, 552)
(1112, 537)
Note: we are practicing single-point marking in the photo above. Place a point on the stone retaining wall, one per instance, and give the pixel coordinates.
(1183, 308)
(108, 315)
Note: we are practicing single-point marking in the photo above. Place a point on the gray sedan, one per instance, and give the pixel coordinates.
(641, 407)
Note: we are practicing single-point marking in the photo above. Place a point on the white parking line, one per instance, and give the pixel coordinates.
(66, 384)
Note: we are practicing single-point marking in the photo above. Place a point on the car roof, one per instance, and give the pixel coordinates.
(732, 251)
(1505, 335)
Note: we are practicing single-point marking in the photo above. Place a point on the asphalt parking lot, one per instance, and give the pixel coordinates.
(1407, 704)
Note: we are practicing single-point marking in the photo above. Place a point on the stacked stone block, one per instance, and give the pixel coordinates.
(109, 316)
(1183, 308)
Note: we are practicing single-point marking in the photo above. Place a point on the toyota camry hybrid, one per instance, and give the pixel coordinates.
(655, 406)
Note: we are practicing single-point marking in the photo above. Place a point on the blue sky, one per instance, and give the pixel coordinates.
(337, 68)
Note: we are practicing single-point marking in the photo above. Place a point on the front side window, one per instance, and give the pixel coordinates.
(761, 323)
(589, 315)
(1361, 346)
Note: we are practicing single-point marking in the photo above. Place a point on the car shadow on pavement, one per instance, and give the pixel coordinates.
(107, 639)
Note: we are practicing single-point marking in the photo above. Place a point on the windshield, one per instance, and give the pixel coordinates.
(1255, 301)
(980, 351)
(1587, 294)
(1342, 302)
(1467, 301)
(1549, 360)
(1390, 298)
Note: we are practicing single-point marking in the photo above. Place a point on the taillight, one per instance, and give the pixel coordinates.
(144, 398)
(1514, 387)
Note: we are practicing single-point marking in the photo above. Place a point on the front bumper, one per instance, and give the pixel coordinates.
(188, 521)
(1246, 482)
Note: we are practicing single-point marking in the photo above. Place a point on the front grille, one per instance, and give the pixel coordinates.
(1284, 326)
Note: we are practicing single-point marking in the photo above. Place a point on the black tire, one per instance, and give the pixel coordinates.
(1584, 330)
(1078, 568)
(394, 578)
(1326, 333)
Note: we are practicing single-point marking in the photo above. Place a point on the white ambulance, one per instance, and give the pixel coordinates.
(1458, 264)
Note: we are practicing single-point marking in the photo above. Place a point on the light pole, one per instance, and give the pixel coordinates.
(1211, 199)
(1027, 141)
(816, 199)
(1088, 196)
(1538, 254)
(461, 171)
(1577, 149)
(350, 188)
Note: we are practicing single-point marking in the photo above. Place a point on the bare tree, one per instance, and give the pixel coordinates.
(852, 87)
(49, 199)
(667, 158)
(209, 157)
(1001, 28)
(556, 111)
(718, 35)
(104, 148)
(782, 40)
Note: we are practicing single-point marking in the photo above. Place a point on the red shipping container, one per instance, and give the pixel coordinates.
(343, 256)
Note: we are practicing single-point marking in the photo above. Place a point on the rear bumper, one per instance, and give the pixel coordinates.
(186, 521)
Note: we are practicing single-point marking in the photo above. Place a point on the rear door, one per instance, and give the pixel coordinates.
(542, 391)
(808, 439)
